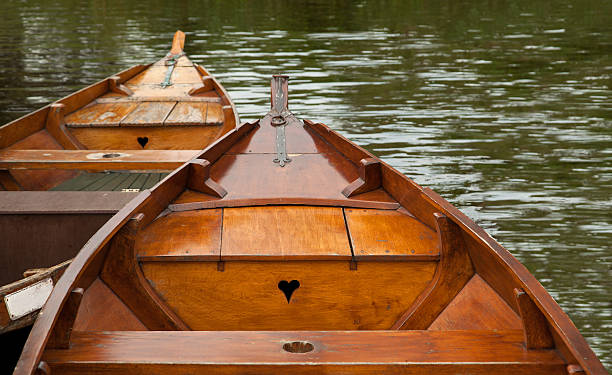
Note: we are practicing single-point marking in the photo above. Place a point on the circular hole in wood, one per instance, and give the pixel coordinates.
(110, 156)
(298, 347)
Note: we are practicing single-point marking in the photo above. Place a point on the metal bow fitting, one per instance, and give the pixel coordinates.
(280, 116)
(170, 63)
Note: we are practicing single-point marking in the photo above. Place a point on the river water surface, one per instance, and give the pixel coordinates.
(502, 107)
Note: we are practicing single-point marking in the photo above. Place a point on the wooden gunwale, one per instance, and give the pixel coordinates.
(160, 196)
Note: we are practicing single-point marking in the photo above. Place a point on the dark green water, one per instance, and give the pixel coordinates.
(503, 107)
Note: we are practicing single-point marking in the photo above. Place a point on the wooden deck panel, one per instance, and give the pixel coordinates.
(157, 137)
(465, 352)
(245, 295)
(100, 114)
(149, 114)
(386, 234)
(193, 235)
(284, 232)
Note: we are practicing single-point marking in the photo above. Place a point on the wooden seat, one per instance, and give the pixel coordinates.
(377, 352)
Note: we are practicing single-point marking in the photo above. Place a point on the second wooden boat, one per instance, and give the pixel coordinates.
(285, 248)
(68, 167)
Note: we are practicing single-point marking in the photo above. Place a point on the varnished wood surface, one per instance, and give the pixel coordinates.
(378, 234)
(250, 294)
(477, 307)
(95, 160)
(187, 235)
(93, 314)
(331, 296)
(465, 352)
(284, 232)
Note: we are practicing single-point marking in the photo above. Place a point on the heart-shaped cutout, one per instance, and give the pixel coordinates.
(143, 141)
(288, 288)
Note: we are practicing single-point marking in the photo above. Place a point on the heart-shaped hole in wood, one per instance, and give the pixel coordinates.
(288, 288)
(143, 141)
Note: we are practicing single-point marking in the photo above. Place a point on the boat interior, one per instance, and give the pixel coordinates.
(124, 133)
(285, 247)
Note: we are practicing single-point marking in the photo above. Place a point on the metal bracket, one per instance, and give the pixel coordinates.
(170, 63)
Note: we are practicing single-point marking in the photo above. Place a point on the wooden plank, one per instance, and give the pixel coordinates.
(157, 137)
(182, 235)
(307, 176)
(386, 234)
(154, 74)
(214, 116)
(284, 232)
(454, 271)
(100, 114)
(123, 275)
(148, 113)
(93, 312)
(331, 296)
(60, 202)
(91, 160)
(159, 98)
(205, 201)
(477, 306)
(187, 114)
(23, 127)
(185, 74)
(461, 352)
(81, 182)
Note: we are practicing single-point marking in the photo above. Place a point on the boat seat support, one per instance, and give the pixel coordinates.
(114, 85)
(199, 179)
(60, 336)
(535, 328)
(370, 178)
(207, 85)
(56, 126)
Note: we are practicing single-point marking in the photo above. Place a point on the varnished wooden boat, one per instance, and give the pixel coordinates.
(68, 167)
(285, 248)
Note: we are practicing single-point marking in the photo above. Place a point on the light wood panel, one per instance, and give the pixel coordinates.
(102, 310)
(284, 232)
(389, 234)
(245, 296)
(214, 116)
(148, 114)
(188, 114)
(182, 235)
(159, 138)
(477, 306)
(308, 175)
(415, 353)
(104, 114)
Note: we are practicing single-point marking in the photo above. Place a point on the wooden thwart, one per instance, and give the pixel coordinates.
(94, 160)
(474, 352)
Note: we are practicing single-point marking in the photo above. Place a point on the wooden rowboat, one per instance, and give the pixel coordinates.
(285, 248)
(68, 167)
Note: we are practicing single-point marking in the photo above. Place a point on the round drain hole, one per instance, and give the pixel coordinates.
(110, 156)
(298, 347)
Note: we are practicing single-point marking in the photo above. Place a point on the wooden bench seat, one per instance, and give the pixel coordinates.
(261, 352)
(95, 160)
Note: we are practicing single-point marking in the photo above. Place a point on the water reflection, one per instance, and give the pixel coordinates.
(504, 108)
